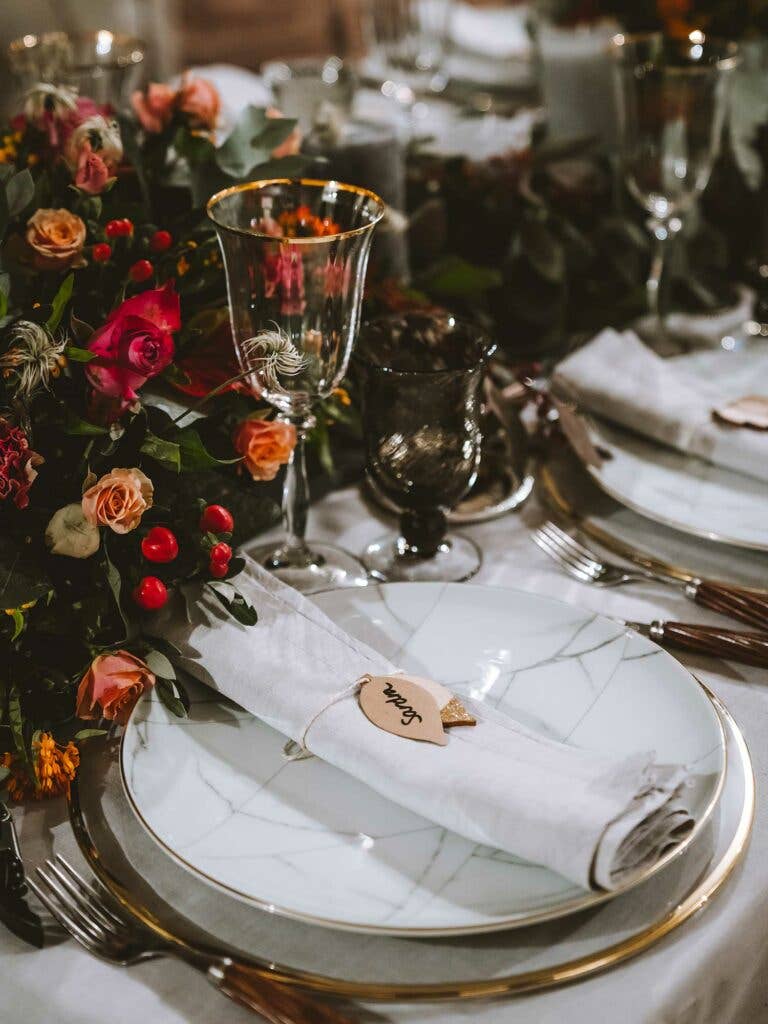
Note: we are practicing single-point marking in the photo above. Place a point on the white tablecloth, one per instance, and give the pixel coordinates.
(714, 970)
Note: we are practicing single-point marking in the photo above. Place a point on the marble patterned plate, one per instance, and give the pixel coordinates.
(306, 840)
(681, 491)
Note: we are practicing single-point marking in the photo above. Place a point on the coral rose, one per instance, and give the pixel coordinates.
(154, 108)
(92, 174)
(265, 445)
(199, 100)
(118, 500)
(135, 343)
(291, 145)
(112, 685)
(57, 238)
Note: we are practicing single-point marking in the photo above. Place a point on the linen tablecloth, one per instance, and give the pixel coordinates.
(713, 970)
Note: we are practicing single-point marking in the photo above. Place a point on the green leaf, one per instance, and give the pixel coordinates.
(16, 722)
(251, 141)
(86, 734)
(115, 585)
(81, 428)
(19, 192)
(283, 167)
(167, 694)
(18, 624)
(160, 665)
(194, 454)
(79, 355)
(22, 578)
(5, 215)
(237, 607)
(454, 276)
(4, 772)
(60, 301)
(193, 147)
(167, 453)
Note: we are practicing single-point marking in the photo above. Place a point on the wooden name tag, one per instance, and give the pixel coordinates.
(408, 706)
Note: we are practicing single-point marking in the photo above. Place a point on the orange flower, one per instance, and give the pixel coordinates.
(118, 500)
(54, 768)
(265, 445)
(112, 685)
(57, 238)
(199, 100)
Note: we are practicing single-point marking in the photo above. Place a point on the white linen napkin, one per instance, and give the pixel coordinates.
(671, 400)
(597, 820)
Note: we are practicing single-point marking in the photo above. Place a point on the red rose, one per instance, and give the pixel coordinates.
(17, 464)
(135, 343)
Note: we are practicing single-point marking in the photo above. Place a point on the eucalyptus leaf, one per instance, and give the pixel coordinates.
(251, 141)
(167, 694)
(160, 665)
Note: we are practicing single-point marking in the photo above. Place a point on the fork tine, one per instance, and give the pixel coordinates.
(548, 547)
(574, 543)
(589, 565)
(564, 555)
(83, 896)
(67, 905)
(67, 923)
(95, 890)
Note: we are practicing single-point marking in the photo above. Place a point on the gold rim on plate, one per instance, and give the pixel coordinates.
(528, 981)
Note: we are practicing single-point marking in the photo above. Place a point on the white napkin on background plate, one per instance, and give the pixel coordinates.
(671, 400)
(595, 819)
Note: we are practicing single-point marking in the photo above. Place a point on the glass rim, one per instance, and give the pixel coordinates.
(255, 186)
(487, 344)
(731, 51)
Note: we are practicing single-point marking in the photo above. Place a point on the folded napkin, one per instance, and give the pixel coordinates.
(597, 820)
(671, 400)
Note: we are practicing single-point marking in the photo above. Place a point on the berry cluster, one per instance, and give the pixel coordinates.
(142, 270)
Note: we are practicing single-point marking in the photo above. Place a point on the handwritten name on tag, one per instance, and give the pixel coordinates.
(412, 707)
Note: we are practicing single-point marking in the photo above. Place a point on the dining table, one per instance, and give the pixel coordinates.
(712, 970)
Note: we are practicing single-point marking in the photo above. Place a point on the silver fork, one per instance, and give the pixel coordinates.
(586, 565)
(87, 912)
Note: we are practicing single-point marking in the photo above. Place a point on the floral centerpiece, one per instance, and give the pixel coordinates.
(109, 294)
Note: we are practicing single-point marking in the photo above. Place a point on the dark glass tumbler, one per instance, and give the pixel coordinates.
(421, 377)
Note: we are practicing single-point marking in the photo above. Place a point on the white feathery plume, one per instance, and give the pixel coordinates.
(274, 355)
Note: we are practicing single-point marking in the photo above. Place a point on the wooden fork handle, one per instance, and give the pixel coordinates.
(750, 648)
(276, 1002)
(739, 604)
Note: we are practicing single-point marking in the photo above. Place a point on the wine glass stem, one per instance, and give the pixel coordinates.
(662, 232)
(296, 498)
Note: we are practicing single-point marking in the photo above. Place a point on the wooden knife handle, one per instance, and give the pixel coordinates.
(750, 648)
(276, 1002)
(733, 601)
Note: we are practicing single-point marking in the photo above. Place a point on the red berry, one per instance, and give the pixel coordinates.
(219, 569)
(119, 228)
(150, 594)
(217, 519)
(220, 552)
(160, 241)
(141, 270)
(102, 252)
(160, 545)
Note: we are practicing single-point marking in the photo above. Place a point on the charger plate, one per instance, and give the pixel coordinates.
(308, 841)
(183, 910)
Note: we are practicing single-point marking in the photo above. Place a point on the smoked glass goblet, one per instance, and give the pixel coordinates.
(421, 377)
(295, 255)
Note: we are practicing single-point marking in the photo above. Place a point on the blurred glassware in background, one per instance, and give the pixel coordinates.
(409, 38)
(672, 98)
(295, 257)
(421, 378)
(101, 64)
(312, 89)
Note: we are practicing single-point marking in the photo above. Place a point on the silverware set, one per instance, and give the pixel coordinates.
(587, 566)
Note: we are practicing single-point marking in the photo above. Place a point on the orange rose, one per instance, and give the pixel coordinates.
(199, 100)
(112, 685)
(154, 107)
(57, 238)
(265, 445)
(118, 500)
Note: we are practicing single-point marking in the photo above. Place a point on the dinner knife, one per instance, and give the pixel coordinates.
(735, 645)
(15, 912)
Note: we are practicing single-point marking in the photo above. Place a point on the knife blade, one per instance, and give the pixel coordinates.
(15, 912)
(733, 644)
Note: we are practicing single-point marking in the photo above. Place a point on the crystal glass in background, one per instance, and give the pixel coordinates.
(408, 39)
(312, 90)
(421, 377)
(672, 103)
(302, 296)
(102, 64)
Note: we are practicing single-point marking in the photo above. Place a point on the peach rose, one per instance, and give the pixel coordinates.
(112, 685)
(57, 238)
(118, 500)
(199, 100)
(292, 145)
(265, 445)
(154, 108)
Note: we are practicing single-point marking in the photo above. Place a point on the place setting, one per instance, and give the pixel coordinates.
(384, 556)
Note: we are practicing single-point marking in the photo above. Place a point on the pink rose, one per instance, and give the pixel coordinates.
(265, 445)
(135, 343)
(284, 279)
(291, 146)
(154, 108)
(92, 174)
(199, 100)
(112, 685)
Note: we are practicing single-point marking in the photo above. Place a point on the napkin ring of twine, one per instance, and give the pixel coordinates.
(297, 750)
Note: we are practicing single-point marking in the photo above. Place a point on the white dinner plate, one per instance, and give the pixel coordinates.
(308, 841)
(681, 491)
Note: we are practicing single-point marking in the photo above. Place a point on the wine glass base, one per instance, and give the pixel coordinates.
(325, 568)
(457, 559)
